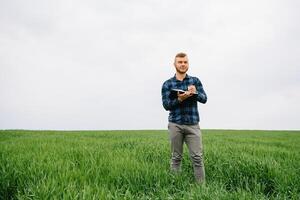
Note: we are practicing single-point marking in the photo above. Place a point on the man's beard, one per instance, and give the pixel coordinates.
(181, 71)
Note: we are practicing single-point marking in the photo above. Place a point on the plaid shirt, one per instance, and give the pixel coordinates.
(185, 112)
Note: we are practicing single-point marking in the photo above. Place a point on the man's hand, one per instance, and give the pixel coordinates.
(184, 96)
(192, 89)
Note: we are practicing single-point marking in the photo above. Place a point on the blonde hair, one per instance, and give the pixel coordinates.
(180, 55)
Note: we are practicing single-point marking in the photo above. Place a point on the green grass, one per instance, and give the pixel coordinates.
(135, 165)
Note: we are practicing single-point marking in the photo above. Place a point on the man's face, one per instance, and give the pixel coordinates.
(181, 64)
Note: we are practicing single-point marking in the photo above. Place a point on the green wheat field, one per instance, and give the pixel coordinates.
(135, 165)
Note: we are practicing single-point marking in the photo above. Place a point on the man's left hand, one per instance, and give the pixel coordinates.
(192, 89)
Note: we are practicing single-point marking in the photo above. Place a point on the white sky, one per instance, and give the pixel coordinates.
(100, 64)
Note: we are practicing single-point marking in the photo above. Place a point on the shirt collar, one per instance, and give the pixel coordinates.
(186, 77)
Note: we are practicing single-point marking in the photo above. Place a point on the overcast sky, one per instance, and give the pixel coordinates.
(101, 64)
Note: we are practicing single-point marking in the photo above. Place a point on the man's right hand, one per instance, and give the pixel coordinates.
(184, 96)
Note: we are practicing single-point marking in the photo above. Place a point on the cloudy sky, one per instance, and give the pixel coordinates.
(100, 64)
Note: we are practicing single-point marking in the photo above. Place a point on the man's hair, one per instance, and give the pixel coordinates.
(180, 55)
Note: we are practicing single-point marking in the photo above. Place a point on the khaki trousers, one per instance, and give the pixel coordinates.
(191, 135)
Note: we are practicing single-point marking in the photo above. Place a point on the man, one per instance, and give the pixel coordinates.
(183, 116)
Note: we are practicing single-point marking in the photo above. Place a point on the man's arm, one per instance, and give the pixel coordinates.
(168, 103)
(201, 96)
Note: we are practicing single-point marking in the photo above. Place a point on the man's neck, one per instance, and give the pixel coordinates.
(180, 76)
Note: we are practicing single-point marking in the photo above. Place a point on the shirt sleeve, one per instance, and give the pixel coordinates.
(168, 103)
(201, 96)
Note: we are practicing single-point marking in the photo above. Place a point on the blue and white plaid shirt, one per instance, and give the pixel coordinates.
(185, 112)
